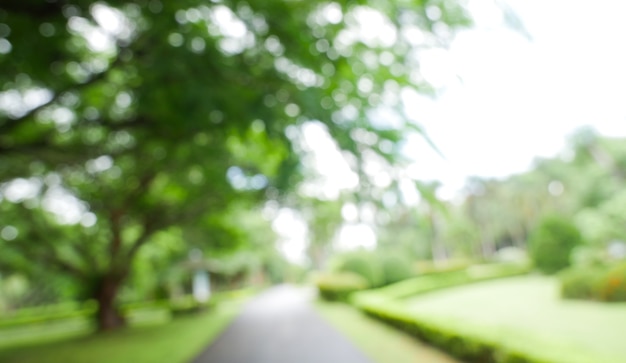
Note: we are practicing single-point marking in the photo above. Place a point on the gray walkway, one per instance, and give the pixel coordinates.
(281, 327)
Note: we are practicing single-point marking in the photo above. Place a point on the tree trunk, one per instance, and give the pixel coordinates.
(437, 248)
(488, 248)
(108, 316)
(318, 257)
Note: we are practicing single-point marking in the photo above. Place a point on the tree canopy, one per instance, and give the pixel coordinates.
(121, 119)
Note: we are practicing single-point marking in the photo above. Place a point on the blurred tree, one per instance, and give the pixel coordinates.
(399, 230)
(153, 114)
(431, 219)
(551, 244)
(323, 218)
(583, 184)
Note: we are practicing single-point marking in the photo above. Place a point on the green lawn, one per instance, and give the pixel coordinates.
(38, 333)
(527, 314)
(176, 341)
(25, 334)
(380, 342)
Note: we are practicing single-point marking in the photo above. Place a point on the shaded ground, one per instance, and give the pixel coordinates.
(280, 326)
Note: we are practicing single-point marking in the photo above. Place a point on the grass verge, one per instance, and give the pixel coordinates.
(177, 341)
(380, 342)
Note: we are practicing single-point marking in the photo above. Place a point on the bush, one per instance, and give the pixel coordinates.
(339, 286)
(595, 283)
(439, 280)
(378, 268)
(612, 285)
(577, 283)
(363, 263)
(396, 268)
(552, 243)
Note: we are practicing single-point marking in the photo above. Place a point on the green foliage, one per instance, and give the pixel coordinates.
(170, 117)
(604, 223)
(363, 263)
(323, 219)
(586, 187)
(613, 285)
(339, 286)
(595, 283)
(552, 242)
(378, 268)
(579, 283)
(396, 267)
(439, 280)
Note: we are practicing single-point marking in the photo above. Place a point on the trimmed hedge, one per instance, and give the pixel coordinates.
(471, 349)
(383, 304)
(378, 268)
(363, 263)
(339, 286)
(396, 267)
(435, 281)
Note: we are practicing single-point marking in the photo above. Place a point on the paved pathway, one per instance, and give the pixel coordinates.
(281, 327)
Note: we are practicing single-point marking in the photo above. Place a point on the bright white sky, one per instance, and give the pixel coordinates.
(507, 99)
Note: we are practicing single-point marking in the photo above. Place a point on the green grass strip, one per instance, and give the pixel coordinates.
(177, 341)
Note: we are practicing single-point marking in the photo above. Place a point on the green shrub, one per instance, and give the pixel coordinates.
(396, 268)
(378, 268)
(363, 263)
(339, 286)
(612, 285)
(435, 281)
(578, 283)
(595, 283)
(552, 243)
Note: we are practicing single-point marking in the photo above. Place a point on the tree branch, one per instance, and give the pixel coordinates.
(148, 230)
(50, 253)
(115, 217)
(10, 124)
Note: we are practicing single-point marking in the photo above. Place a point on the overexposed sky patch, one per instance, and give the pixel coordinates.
(505, 99)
